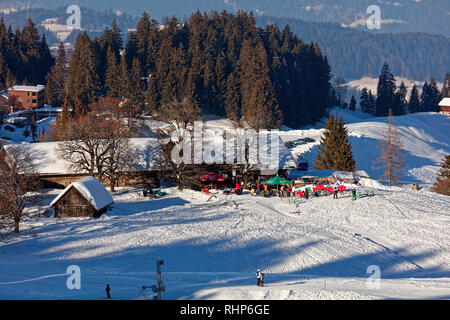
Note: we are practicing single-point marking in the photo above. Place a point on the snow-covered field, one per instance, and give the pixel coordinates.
(319, 248)
(425, 138)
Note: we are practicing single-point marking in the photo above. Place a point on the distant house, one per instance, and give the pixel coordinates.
(30, 97)
(55, 172)
(445, 105)
(84, 198)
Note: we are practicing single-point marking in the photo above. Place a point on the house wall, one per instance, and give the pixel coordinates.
(137, 180)
(29, 99)
(73, 204)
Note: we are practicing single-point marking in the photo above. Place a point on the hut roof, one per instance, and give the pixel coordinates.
(92, 190)
(45, 159)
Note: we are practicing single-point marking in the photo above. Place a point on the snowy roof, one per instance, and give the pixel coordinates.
(445, 102)
(47, 162)
(37, 88)
(92, 190)
(293, 174)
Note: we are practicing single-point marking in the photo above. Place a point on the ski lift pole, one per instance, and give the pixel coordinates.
(160, 287)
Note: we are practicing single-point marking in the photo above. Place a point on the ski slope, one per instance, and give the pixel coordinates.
(309, 249)
(425, 138)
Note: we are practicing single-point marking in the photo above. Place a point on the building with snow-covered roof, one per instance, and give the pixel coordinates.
(29, 97)
(445, 105)
(56, 172)
(86, 197)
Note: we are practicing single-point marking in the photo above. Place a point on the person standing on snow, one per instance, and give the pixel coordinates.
(353, 194)
(258, 277)
(335, 192)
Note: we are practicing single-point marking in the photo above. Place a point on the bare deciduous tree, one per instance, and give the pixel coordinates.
(99, 147)
(176, 139)
(391, 160)
(18, 181)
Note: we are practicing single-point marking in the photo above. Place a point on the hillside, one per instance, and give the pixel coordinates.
(309, 249)
(424, 137)
(398, 16)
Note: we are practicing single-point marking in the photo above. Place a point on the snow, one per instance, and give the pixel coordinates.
(445, 102)
(37, 88)
(46, 160)
(320, 248)
(308, 249)
(424, 137)
(92, 190)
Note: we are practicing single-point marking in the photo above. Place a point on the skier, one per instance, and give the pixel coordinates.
(108, 289)
(353, 194)
(335, 192)
(258, 277)
(306, 194)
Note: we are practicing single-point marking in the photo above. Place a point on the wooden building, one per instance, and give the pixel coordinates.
(86, 197)
(55, 172)
(445, 105)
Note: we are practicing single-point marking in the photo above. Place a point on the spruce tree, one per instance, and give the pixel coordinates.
(385, 92)
(400, 102)
(364, 101)
(83, 76)
(414, 100)
(445, 93)
(57, 78)
(233, 98)
(352, 105)
(113, 81)
(334, 151)
(442, 183)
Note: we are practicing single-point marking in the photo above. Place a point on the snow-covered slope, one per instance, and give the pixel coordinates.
(425, 138)
(319, 248)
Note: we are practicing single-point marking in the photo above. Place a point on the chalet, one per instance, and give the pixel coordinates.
(86, 197)
(29, 97)
(55, 172)
(445, 105)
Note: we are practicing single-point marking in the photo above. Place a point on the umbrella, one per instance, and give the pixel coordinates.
(277, 180)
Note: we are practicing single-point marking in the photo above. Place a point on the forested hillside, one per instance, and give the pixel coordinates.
(353, 53)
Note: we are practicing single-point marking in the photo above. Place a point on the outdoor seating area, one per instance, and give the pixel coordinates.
(281, 187)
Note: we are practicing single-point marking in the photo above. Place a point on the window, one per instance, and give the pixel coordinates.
(33, 101)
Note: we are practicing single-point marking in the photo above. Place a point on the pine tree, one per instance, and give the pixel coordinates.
(135, 88)
(414, 100)
(445, 93)
(113, 81)
(233, 98)
(83, 76)
(385, 92)
(430, 97)
(352, 105)
(442, 183)
(391, 161)
(400, 102)
(334, 151)
(365, 102)
(57, 78)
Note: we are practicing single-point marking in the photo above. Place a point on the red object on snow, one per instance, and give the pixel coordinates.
(342, 188)
(320, 187)
(205, 191)
(211, 177)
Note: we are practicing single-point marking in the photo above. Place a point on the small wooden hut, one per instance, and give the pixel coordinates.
(84, 198)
